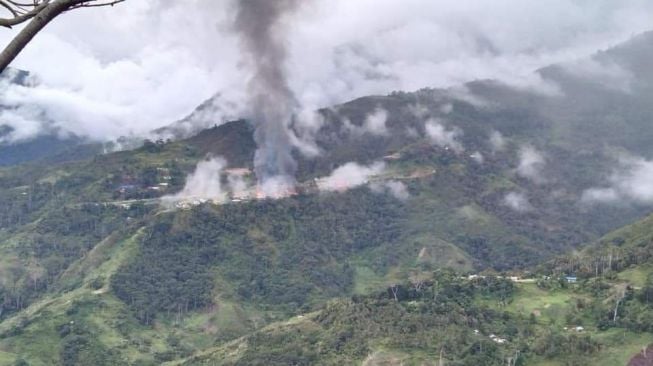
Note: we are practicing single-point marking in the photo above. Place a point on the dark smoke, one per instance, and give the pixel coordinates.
(258, 25)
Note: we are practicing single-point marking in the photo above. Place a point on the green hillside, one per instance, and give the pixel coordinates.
(95, 270)
(448, 319)
(93, 275)
(443, 317)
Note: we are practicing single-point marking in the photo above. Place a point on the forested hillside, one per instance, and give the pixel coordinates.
(590, 308)
(97, 268)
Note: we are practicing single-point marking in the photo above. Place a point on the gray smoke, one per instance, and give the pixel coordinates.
(273, 103)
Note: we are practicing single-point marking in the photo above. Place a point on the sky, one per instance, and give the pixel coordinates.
(140, 65)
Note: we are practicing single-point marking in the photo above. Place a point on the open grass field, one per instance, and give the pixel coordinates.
(548, 307)
(617, 345)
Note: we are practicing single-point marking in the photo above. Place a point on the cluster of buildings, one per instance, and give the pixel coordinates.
(190, 203)
(568, 279)
(498, 339)
(130, 185)
(493, 337)
(510, 278)
(577, 329)
(164, 180)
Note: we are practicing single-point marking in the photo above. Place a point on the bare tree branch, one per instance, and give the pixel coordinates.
(37, 14)
(13, 11)
(98, 4)
(20, 15)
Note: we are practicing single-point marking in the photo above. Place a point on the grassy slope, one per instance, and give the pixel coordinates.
(618, 345)
(38, 341)
(33, 334)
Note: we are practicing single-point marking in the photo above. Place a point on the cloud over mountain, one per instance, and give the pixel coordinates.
(631, 182)
(156, 60)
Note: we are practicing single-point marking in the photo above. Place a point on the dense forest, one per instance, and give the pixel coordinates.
(290, 252)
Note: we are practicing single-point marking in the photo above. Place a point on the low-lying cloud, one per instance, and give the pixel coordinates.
(531, 164)
(156, 60)
(374, 124)
(443, 136)
(497, 141)
(395, 188)
(609, 74)
(632, 182)
(517, 201)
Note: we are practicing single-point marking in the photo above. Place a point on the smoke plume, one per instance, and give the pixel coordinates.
(350, 175)
(203, 183)
(258, 25)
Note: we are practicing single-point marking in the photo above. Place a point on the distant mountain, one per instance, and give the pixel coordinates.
(212, 112)
(47, 148)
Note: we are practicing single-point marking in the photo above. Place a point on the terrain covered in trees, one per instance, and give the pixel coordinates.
(95, 271)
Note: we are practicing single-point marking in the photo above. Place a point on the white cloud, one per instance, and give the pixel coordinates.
(608, 74)
(415, 43)
(531, 163)
(395, 188)
(600, 195)
(374, 124)
(418, 110)
(446, 108)
(107, 72)
(517, 201)
(632, 182)
(443, 137)
(131, 74)
(24, 123)
(350, 175)
(462, 93)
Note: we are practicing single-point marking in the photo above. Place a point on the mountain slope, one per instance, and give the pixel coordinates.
(603, 319)
(487, 321)
(490, 178)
